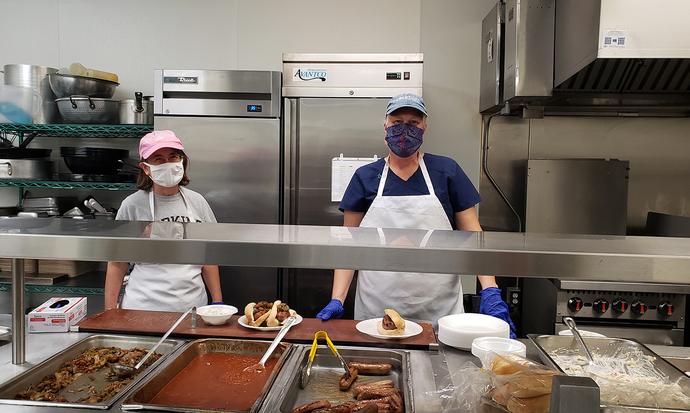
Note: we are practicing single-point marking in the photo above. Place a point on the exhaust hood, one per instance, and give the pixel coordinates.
(588, 53)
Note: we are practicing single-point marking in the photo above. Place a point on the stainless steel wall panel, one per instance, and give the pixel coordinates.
(657, 149)
(577, 196)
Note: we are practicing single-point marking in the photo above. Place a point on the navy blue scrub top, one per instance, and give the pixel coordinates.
(452, 187)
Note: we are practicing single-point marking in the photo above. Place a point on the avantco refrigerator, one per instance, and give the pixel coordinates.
(333, 104)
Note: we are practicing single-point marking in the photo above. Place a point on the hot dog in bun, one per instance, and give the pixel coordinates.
(267, 314)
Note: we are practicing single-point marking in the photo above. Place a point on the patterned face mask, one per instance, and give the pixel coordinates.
(404, 139)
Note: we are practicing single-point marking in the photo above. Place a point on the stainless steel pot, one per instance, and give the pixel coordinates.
(34, 169)
(83, 109)
(70, 85)
(137, 111)
(35, 77)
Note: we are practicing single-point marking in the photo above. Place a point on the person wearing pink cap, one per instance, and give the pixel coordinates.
(162, 196)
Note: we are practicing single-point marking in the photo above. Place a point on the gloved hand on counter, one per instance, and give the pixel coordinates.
(492, 304)
(333, 309)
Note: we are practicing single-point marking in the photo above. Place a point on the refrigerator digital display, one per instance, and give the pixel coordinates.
(254, 108)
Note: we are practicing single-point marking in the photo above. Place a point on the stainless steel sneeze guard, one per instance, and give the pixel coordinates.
(581, 257)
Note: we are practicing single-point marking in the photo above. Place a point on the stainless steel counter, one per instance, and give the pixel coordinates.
(430, 371)
(582, 257)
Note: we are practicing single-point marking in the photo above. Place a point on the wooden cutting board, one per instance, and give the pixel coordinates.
(341, 332)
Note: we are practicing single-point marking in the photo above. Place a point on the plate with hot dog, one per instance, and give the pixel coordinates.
(390, 326)
(267, 316)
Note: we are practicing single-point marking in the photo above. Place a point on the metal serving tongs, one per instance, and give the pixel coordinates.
(305, 374)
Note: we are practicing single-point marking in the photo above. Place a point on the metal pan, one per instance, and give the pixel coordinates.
(142, 398)
(51, 365)
(326, 371)
(548, 345)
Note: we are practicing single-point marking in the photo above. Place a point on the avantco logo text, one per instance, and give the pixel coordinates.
(311, 74)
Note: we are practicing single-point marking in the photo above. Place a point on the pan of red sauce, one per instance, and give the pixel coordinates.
(208, 375)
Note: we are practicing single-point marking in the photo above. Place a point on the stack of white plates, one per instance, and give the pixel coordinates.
(459, 330)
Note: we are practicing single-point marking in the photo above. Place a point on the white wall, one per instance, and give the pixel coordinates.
(451, 38)
(133, 37)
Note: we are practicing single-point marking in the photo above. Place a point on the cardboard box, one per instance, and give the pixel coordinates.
(57, 314)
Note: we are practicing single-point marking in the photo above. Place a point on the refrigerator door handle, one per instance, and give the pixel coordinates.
(291, 161)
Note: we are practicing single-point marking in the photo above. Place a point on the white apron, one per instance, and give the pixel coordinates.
(419, 296)
(165, 287)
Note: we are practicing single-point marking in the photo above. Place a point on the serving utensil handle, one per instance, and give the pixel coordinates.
(570, 323)
(286, 326)
(167, 333)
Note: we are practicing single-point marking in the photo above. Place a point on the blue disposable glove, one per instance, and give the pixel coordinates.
(492, 304)
(217, 303)
(334, 309)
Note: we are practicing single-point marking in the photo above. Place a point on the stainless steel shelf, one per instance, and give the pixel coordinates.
(77, 130)
(579, 257)
(110, 186)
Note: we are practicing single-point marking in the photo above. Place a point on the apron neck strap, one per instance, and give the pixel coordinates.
(425, 173)
(422, 166)
(184, 201)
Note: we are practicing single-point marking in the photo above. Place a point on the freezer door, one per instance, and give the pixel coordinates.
(316, 131)
(234, 164)
(321, 130)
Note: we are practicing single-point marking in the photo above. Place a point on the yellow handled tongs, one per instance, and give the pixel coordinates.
(306, 369)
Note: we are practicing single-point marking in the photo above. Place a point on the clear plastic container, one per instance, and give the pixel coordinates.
(485, 347)
(18, 104)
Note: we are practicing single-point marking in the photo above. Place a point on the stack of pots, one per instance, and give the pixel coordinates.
(35, 77)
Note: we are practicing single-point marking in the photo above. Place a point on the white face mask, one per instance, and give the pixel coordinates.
(167, 174)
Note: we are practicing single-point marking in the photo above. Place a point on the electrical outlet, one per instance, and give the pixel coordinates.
(513, 298)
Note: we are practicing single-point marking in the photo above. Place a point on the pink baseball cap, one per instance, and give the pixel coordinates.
(153, 141)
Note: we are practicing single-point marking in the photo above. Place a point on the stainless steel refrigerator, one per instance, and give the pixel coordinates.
(229, 122)
(333, 104)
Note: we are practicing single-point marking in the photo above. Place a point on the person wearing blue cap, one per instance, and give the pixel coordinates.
(410, 189)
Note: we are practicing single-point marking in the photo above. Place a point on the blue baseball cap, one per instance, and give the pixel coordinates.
(406, 100)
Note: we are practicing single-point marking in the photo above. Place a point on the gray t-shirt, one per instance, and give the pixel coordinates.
(136, 207)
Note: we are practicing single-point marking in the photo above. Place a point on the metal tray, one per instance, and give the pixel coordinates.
(326, 371)
(547, 345)
(51, 365)
(149, 388)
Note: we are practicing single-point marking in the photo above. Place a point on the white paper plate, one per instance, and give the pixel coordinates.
(243, 323)
(459, 330)
(369, 328)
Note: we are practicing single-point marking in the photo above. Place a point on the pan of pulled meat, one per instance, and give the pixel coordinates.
(80, 376)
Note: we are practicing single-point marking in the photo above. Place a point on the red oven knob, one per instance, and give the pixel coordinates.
(600, 305)
(665, 309)
(619, 305)
(575, 304)
(638, 308)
